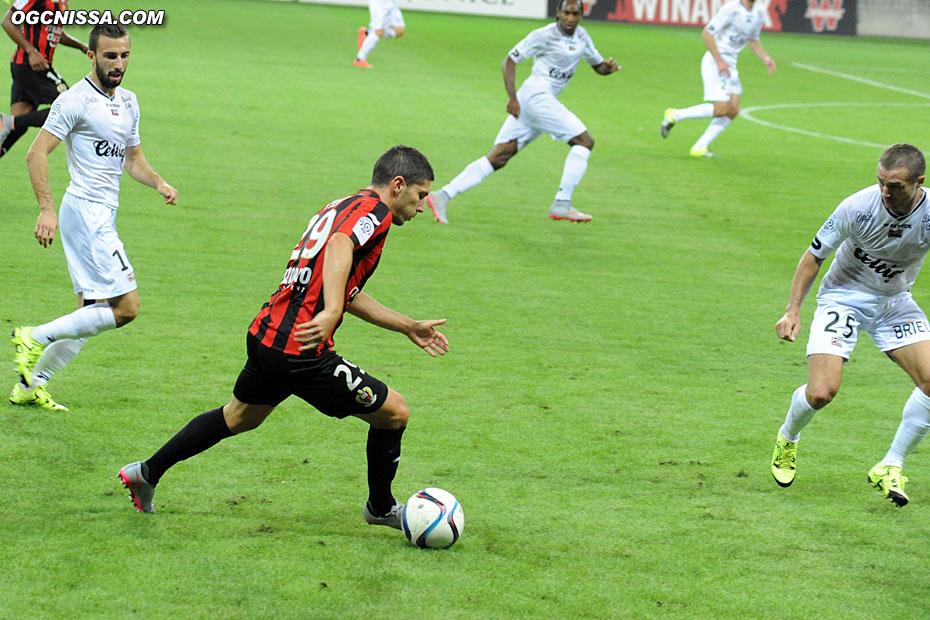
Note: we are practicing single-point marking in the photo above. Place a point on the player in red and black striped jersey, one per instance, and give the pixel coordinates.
(35, 82)
(290, 342)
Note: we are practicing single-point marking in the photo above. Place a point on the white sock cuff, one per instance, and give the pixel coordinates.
(485, 165)
(800, 396)
(580, 151)
(920, 397)
(723, 121)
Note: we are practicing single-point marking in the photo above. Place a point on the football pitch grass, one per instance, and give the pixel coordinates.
(607, 412)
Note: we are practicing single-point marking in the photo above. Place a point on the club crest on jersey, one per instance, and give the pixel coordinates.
(365, 397)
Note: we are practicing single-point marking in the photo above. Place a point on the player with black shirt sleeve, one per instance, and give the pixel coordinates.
(290, 341)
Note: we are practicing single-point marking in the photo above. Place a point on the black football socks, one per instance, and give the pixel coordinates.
(204, 431)
(383, 457)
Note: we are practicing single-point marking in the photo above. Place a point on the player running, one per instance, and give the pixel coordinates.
(883, 234)
(556, 49)
(736, 25)
(290, 342)
(386, 22)
(99, 121)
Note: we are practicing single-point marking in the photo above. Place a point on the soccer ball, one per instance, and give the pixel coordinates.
(433, 518)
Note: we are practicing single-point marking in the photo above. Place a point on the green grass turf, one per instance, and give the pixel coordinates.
(608, 409)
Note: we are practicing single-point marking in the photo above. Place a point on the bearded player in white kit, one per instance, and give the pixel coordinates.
(883, 235)
(737, 24)
(556, 49)
(99, 122)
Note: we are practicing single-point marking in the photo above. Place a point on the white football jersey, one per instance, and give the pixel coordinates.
(732, 26)
(96, 130)
(878, 253)
(555, 55)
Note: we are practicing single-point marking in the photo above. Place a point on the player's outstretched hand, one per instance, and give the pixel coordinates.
(316, 330)
(46, 226)
(788, 326)
(427, 338)
(611, 65)
(769, 64)
(170, 193)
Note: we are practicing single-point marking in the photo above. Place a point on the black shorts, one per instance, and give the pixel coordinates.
(35, 87)
(332, 384)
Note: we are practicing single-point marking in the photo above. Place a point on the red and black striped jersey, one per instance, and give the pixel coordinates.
(364, 219)
(43, 38)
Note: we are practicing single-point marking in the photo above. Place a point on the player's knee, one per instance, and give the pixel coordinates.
(399, 32)
(380, 33)
(125, 313)
(399, 415)
(733, 112)
(498, 161)
(819, 396)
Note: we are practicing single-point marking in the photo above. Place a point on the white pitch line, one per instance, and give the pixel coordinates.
(748, 115)
(856, 78)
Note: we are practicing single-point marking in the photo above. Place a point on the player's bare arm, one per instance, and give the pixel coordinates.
(421, 333)
(756, 48)
(711, 45)
(789, 325)
(70, 41)
(607, 67)
(139, 169)
(337, 263)
(37, 162)
(36, 60)
(510, 73)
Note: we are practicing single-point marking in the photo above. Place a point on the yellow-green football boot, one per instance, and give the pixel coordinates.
(890, 482)
(783, 461)
(36, 397)
(668, 121)
(28, 352)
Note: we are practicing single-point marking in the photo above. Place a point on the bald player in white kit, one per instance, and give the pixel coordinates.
(99, 122)
(883, 235)
(737, 24)
(556, 49)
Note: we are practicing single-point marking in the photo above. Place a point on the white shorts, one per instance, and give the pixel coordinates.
(717, 87)
(540, 112)
(384, 14)
(892, 322)
(97, 260)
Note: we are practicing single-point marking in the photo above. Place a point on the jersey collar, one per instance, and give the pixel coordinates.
(96, 88)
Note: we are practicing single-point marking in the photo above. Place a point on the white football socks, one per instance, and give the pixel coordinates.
(371, 40)
(575, 165)
(701, 110)
(55, 356)
(799, 414)
(474, 173)
(84, 322)
(713, 130)
(915, 423)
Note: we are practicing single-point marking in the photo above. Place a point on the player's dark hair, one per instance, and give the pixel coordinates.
(402, 161)
(904, 155)
(111, 31)
(562, 4)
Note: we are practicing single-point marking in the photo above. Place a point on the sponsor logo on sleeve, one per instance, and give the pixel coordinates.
(364, 229)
